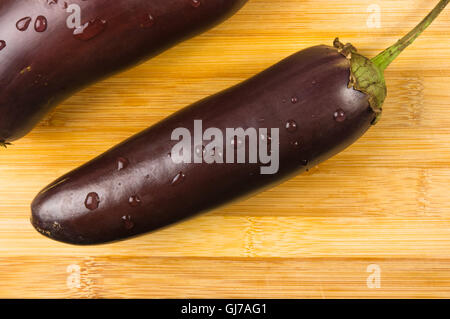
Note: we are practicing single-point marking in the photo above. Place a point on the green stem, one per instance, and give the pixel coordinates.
(385, 58)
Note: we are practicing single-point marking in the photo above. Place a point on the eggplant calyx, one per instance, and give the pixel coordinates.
(365, 76)
(4, 144)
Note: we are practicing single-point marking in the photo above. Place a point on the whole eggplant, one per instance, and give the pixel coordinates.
(320, 99)
(50, 49)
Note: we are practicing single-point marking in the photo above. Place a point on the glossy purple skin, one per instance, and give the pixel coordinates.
(44, 64)
(315, 78)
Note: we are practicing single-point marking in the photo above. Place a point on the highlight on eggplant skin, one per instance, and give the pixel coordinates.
(50, 49)
(321, 100)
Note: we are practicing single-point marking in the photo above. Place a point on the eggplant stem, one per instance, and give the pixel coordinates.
(385, 58)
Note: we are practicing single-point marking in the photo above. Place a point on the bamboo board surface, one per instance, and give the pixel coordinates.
(380, 207)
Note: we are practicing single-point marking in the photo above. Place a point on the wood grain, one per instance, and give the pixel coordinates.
(383, 201)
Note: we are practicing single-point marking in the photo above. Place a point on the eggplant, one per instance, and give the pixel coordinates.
(315, 103)
(50, 49)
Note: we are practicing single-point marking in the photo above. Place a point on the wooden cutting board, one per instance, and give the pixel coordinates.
(373, 221)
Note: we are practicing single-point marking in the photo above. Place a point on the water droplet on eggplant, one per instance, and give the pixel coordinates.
(147, 21)
(196, 3)
(200, 151)
(90, 30)
(237, 142)
(134, 201)
(40, 25)
(177, 180)
(291, 126)
(127, 222)
(92, 201)
(339, 115)
(23, 24)
(122, 163)
(296, 144)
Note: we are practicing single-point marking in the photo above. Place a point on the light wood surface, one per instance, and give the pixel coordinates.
(382, 202)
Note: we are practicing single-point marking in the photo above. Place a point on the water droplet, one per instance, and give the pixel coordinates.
(304, 162)
(296, 144)
(122, 163)
(134, 201)
(2, 44)
(23, 24)
(294, 100)
(92, 201)
(291, 126)
(339, 115)
(267, 138)
(127, 222)
(262, 137)
(200, 150)
(40, 25)
(90, 30)
(216, 154)
(147, 21)
(177, 180)
(237, 142)
(196, 3)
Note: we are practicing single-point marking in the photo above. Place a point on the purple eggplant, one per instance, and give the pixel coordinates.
(50, 49)
(316, 103)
